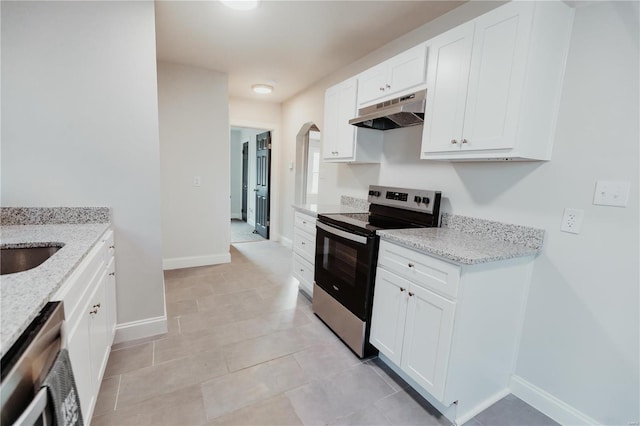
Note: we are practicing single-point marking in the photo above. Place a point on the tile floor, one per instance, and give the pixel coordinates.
(242, 232)
(244, 348)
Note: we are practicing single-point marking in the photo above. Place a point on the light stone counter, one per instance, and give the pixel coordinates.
(24, 294)
(470, 241)
(347, 205)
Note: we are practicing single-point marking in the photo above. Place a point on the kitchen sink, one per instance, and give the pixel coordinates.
(21, 259)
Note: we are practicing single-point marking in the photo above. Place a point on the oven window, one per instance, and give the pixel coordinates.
(340, 259)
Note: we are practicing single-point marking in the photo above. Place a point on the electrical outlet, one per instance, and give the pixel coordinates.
(572, 221)
(611, 193)
(197, 181)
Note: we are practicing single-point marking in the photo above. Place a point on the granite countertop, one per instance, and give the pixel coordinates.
(347, 205)
(456, 246)
(316, 209)
(24, 294)
(469, 241)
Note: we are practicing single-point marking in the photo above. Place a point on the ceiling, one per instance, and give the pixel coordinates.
(288, 44)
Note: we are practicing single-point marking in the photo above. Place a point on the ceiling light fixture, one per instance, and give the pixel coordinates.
(241, 4)
(263, 89)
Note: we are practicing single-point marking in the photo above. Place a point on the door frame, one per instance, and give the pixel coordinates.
(275, 193)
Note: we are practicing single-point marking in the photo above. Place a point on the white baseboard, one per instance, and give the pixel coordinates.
(286, 242)
(136, 330)
(191, 262)
(471, 413)
(236, 216)
(548, 404)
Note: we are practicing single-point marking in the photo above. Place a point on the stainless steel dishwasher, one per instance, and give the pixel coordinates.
(26, 365)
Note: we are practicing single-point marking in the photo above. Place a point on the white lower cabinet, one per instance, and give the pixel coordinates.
(90, 319)
(413, 329)
(304, 247)
(451, 331)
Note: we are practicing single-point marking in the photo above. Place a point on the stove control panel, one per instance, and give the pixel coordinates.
(410, 199)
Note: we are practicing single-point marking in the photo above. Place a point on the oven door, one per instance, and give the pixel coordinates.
(345, 267)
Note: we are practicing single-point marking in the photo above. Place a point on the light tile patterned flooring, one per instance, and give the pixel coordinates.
(244, 348)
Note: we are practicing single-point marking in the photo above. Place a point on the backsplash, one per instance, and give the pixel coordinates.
(516, 234)
(357, 203)
(53, 215)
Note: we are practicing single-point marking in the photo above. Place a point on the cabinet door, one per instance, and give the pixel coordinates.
(496, 77)
(447, 80)
(339, 135)
(427, 340)
(330, 131)
(99, 332)
(372, 83)
(78, 344)
(347, 109)
(110, 297)
(406, 70)
(388, 315)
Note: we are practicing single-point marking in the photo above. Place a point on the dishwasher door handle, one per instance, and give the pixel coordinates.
(34, 410)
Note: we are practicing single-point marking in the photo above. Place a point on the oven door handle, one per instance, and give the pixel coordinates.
(342, 234)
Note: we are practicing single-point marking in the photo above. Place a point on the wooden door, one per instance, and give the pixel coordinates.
(245, 178)
(263, 181)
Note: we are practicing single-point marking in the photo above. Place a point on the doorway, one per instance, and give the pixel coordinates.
(307, 178)
(250, 173)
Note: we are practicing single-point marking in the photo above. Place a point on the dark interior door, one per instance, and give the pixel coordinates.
(245, 183)
(263, 173)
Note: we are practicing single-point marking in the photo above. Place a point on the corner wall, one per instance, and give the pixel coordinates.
(194, 142)
(80, 128)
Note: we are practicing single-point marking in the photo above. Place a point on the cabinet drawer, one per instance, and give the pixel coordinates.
(421, 269)
(109, 245)
(306, 223)
(303, 270)
(304, 245)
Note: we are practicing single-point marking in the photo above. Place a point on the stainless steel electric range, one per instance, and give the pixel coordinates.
(346, 258)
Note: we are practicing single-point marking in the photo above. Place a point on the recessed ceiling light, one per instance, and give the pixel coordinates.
(263, 89)
(241, 4)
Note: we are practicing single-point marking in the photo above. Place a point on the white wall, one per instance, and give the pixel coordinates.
(194, 141)
(236, 174)
(262, 116)
(80, 127)
(580, 338)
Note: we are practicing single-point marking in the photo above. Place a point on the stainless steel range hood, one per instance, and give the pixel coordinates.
(403, 111)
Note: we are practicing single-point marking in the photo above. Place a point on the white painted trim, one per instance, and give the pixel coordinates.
(193, 261)
(462, 419)
(286, 242)
(136, 330)
(236, 216)
(548, 404)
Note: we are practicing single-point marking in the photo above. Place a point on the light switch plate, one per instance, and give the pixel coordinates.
(611, 193)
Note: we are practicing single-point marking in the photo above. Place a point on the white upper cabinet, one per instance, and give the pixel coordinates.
(393, 77)
(494, 84)
(342, 142)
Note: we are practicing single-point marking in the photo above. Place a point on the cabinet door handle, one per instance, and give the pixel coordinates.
(465, 141)
(453, 141)
(410, 265)
(112, 247)
(304, 222)
(410, 294)
(302, 242)
(113, 274)
(93, 311)
(301, 270)
(97, 305)
(387, 86)
(382, 89)
(402, 289)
